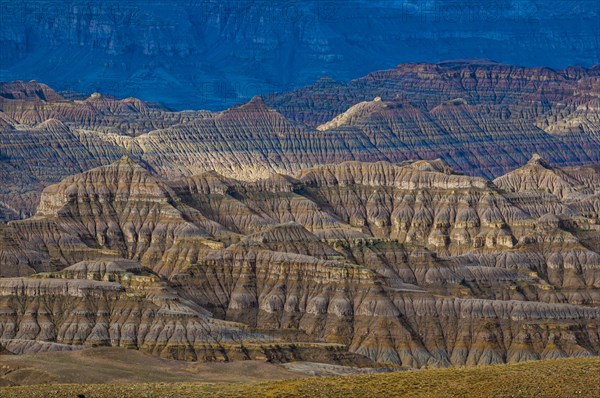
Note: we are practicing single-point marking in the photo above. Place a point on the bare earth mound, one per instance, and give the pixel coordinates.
(122, 366)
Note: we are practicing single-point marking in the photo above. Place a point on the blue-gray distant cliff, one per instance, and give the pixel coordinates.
(211, 54)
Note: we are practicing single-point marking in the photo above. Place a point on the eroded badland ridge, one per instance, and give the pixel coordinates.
(297, 227)
(481, 118)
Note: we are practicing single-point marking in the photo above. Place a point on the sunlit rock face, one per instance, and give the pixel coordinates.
(351, 263)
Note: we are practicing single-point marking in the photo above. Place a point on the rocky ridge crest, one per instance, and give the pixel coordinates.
(410, 265)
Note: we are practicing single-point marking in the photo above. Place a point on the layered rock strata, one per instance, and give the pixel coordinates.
(412, 265)
(481, 118)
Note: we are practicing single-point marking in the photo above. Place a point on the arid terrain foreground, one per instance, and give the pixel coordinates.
(432, 215)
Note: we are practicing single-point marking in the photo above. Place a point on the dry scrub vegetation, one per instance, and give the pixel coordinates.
(574, 377)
